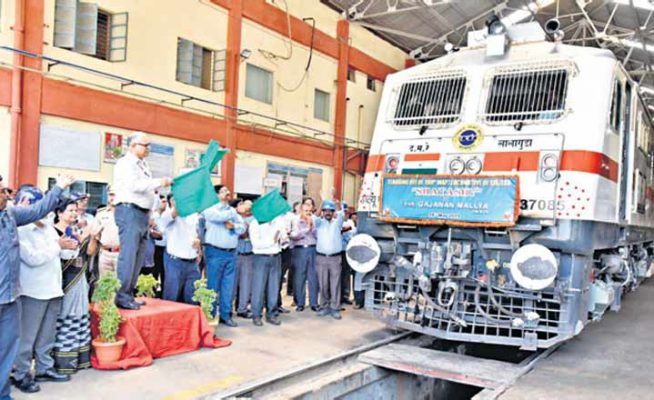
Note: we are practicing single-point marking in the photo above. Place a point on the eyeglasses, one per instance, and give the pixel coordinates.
(5, 190)
(146, 145)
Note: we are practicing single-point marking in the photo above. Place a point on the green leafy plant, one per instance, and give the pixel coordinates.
(145, 285)
(205, 297)
(104, 297)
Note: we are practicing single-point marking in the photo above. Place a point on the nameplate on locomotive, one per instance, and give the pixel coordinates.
(461, 200)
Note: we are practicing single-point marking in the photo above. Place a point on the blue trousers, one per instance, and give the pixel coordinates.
(221, 271)
(244, 282)
(304, 262)
(180, 276)
(9, 340)
(266, 273)
(133, 233)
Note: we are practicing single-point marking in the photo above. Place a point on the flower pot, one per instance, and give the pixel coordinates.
(213, 325)
(108, 352)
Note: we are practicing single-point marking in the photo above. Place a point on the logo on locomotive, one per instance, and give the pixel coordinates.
(468, 137)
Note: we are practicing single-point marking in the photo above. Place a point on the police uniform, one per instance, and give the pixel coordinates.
(109, 240)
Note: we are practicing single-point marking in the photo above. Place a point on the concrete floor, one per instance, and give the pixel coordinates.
(302, 338)
(612, 359)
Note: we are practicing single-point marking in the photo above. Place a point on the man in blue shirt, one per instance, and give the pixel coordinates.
(223, 227)
(329, 244)
(10, 219)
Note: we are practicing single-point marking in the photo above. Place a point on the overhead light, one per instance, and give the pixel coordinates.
(245, 54)
(494, 25)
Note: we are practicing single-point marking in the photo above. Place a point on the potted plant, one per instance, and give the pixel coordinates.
(107, 346)
(146, 285)
(205, 297)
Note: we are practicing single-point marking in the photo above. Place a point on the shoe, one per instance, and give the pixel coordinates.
(358, 306)
(293, 303)
(283, 310)
(228, 322)
(299, 308)
(341, 308)
(346, 301)
(140, 302)
(129, 306)
(324, 312)
(257, 321)
(27, 385)
(52, 376)
(273, 320)
(315, 308)
(246, 315)
(336, 315)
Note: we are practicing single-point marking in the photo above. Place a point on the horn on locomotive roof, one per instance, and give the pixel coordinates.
(553, 29)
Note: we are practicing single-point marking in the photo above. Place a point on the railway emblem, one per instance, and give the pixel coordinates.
(468, 137)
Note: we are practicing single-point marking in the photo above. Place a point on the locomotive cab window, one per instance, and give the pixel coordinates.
(434, 101)
(524, 95)
(616, 106)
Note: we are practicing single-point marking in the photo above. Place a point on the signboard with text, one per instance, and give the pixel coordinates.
(454, 200)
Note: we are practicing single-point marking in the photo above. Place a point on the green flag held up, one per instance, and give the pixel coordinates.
(193, 191)
(269, 207)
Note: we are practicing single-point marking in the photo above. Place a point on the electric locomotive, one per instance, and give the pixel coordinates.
(507, 197)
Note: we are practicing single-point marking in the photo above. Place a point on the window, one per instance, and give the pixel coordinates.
(97, 190)
(85, 29)
(321, 105)
(527, 95)
(639, 191)
(351, 75)
(616, 106)
(371, 83)
(428, 102)
(644, 132)
(258, 84)
(199, 66)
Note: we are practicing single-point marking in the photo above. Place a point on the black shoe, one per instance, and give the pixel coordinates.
(299, 308)
(140, 303)
(273, 320)
(129, 306)
(358, 306)
(315, 308)
(27, 385)
(52, 376)
(257, 321)
(341, 308)
(228, 322)
(346, 301)
(283, 310)
(246, 315)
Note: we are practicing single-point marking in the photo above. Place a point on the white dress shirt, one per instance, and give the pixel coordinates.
(262, 236)
(133, 182)
(180, 233)
(40, 265)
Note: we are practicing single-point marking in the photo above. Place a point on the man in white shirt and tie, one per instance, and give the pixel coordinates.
(181, 257)
(267, 242)
(135, 197)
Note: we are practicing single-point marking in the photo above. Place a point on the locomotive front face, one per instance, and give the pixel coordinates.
(490, 193)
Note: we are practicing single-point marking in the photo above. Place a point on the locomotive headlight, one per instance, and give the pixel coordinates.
(534, 267)
(549, 164)
(473, 166)
(549, 174)
(362, 253)
(550, 160)
(457, 166)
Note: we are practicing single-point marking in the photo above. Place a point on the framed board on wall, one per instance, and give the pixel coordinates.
(68, 148)
(248, 179)
(161, 160)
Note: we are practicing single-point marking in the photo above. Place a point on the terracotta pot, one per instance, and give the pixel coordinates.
(108, 352)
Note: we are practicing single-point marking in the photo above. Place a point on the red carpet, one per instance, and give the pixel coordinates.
(159, 329)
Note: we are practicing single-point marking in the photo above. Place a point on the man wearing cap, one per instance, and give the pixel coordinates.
(135, 197)
(223, 227)
(41, 296)
(83, 217)
(109, 238)
(10, 219)
(329, 245)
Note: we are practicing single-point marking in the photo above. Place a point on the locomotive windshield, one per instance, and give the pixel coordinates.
(527, 96)
(432, 101)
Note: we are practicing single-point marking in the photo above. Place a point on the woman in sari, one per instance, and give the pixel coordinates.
(72, 350)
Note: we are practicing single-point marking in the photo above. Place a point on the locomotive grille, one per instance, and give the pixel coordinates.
(527, 93)
(428, 319)
(431, 100)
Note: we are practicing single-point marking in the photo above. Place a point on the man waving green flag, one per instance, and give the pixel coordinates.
(193, 191)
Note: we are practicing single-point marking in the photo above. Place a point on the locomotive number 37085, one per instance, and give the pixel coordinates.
(534, 204)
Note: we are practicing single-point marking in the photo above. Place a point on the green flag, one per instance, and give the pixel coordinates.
(270, 207)
(193, 192)
(214, 153)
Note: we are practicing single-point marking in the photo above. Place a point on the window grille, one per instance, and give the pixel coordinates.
(435, 100)
(528, 93)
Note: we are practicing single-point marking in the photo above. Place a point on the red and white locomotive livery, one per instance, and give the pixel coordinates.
(567, 124)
